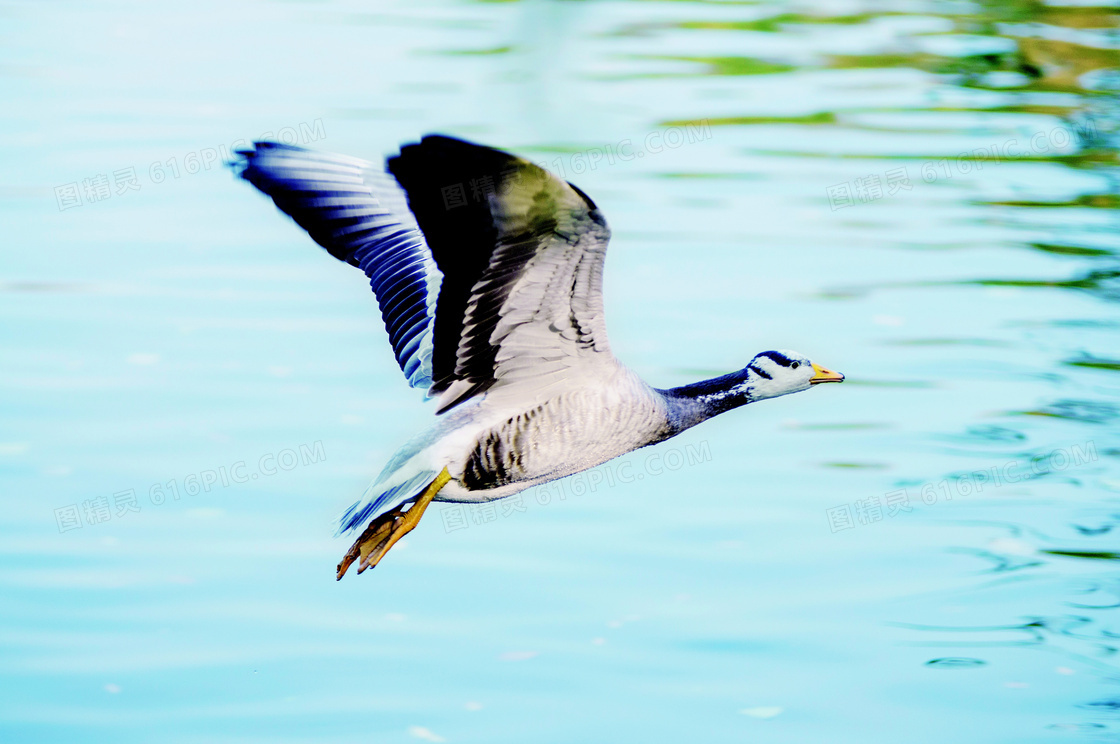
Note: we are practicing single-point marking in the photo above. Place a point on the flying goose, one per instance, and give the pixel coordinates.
(488, 271)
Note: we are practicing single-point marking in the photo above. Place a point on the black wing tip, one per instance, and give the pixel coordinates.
(435, 139)
(453, 152)
(475, 389)
(240, 162)
(595, 214)
(244, 160)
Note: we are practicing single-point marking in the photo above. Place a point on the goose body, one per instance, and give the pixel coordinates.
(493, 450)
(488, 273)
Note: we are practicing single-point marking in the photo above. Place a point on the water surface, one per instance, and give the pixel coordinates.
(922, 195)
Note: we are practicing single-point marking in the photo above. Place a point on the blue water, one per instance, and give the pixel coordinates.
(165, 329)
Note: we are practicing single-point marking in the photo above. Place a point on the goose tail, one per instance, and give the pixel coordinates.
(392, 489)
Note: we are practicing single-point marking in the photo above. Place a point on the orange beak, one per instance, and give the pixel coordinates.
(824, 375)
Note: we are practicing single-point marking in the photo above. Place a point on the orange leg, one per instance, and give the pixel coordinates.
(384, 531)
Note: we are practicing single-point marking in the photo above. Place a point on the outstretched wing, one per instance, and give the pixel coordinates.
(522, 257)
(515, 254)
(358, 213)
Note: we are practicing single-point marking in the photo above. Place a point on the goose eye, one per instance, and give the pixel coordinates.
(795, 365)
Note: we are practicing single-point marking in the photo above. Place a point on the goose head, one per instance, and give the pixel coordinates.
(774, 373)
(770, 374)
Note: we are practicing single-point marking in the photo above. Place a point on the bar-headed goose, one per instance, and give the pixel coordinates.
(488, 272)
